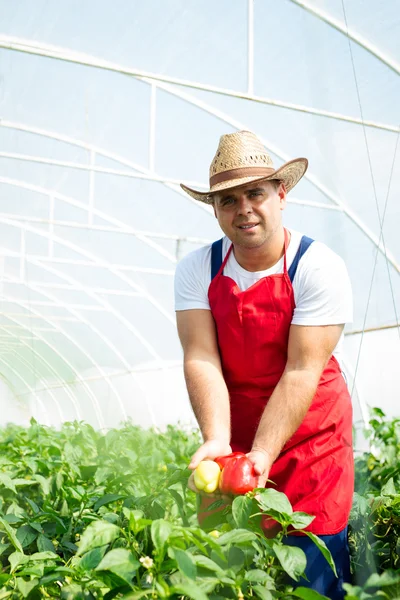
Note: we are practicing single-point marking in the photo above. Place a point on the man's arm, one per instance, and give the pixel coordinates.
(309, 350)
(206, 386)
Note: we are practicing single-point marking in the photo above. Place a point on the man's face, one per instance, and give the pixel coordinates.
(249, 216)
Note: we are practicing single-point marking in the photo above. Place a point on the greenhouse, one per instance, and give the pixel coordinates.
(105, 110)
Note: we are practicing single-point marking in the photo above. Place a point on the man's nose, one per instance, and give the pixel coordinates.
(244, 205)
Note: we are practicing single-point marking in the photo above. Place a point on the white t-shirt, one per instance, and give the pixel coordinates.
(321, 286)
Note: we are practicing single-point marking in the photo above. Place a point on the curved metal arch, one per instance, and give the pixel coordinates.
(102, 152)
(141, 172)
(78, 315)
(19, 376)
(378, 243)
(85, 253)
(65, 385)
(63, 332)
(41, 359)
(100, 300)
(57, 352)
(95, 330)
(165, 180)
(352, 35)
(32, 391)
(234, 123)
(67, 55)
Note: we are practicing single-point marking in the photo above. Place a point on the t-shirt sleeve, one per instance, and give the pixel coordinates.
(322, 289)
(192, 278)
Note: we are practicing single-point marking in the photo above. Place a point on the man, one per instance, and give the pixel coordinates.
(260, 316)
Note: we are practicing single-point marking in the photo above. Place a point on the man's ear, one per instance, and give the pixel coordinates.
(213, 205)
(282, 195)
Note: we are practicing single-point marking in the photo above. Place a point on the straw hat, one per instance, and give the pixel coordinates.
(241, 158)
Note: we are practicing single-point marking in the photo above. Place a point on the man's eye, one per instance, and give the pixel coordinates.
(227, 201)
(255, 193)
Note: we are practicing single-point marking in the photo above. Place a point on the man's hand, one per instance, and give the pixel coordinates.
(262, 462)
(208, 451)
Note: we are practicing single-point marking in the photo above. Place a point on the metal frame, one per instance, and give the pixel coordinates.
(349, 33)
(52, 264)
(64, 54)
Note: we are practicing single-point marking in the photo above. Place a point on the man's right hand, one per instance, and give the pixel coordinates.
(208, 451)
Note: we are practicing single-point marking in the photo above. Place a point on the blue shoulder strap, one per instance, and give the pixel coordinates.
(304, 246)
(216, 257)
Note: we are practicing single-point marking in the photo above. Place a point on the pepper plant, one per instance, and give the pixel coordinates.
(90, 515)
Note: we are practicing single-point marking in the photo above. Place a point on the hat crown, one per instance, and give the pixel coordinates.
(238, 150)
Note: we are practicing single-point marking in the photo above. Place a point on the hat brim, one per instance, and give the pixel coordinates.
(290, 174)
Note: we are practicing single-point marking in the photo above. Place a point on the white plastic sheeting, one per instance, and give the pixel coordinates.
(105, 107)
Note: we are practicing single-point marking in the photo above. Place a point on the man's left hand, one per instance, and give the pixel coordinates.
(262, 462)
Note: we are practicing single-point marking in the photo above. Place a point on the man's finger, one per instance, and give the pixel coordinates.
(197, 457)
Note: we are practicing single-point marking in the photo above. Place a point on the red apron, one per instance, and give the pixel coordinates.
(315, 468)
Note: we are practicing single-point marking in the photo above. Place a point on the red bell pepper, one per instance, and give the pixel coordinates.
(222, 460)
(238, 475)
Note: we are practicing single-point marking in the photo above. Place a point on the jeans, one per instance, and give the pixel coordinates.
(319, 573)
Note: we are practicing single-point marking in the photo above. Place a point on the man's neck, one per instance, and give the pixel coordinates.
(264, 257)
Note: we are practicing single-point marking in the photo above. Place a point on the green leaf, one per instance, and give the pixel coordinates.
(33, 506)
(292, 559)
(178, 476)
(300, 520)
(98, 533)
(138, 595)
(184, 562)
(16, 559)
(236, 536)
(37, 526)
(241, 510)
(360, 506)
(324, 549)
(11, 518)
(91, 559)
(25, 587)
(236, 558)
(26, 535)
(11, 535)
(257, 576)
(308, 594)
(7, 482)
(181, 506)
(121, 562)
(207, 563)
(383, 579)
(43, 556)
(107, 499)
(214, 505)
(3, 548)
(190, 590)
(32, 570)
(160, 531)
(278, 501)
(44, 544)
(388, 489)
(24, 482)
(44, 483)
(262, 592)
(72, 592)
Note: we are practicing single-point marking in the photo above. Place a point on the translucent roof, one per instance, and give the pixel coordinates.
(105, 107)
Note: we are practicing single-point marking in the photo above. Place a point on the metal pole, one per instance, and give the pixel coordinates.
(250, 48)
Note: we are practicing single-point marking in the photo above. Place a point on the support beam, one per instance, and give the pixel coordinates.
(67, 55)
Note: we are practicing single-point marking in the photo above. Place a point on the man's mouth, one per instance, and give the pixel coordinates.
(248, 226)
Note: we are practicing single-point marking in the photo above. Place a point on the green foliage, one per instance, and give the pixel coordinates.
(91, 515)
(375, 517)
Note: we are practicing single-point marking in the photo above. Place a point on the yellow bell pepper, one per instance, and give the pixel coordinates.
(206, 476)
